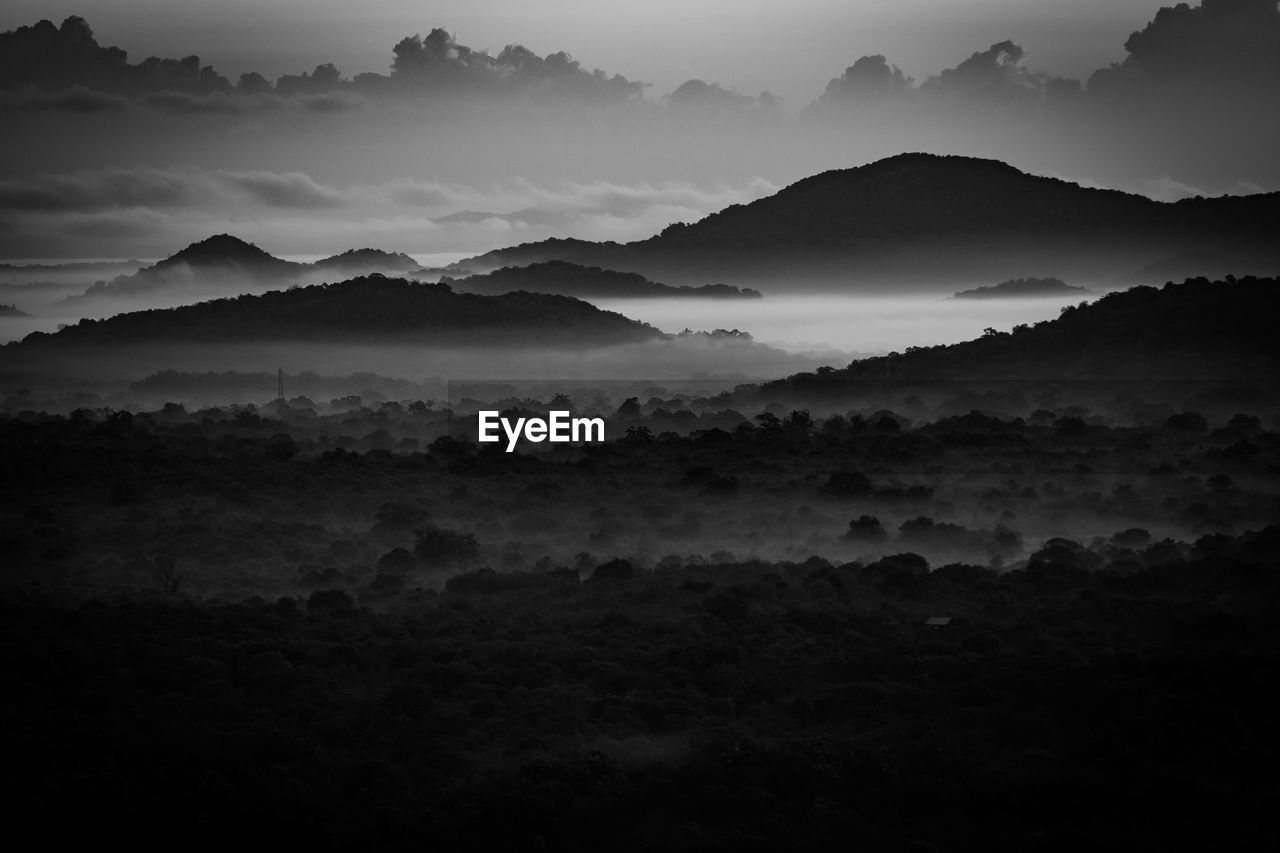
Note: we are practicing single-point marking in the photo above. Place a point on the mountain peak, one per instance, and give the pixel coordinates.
(372, 259)
(222, 250)
(921, 219)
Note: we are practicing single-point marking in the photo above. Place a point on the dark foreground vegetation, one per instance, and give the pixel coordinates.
(1072, 704)
(870, 608)
(226, 628)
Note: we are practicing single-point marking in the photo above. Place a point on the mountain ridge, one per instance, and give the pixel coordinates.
(587, 282)
(372, 307)
(210, 261)
(1196, 329)
(915, 219)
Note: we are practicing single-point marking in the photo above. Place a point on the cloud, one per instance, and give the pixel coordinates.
(1232, 44)
(1165, 188)
(438, 64)
(292, 189)
(1192, 57)
(99, 190)
(697, 96)
(869, 78)
(994, 75)
(994, 79)
(76, 99)
(43, 59)
(49, 58)
(330, 102)
(217, 103)
(150, 212)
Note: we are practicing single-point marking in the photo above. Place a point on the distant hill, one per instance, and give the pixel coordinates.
(1022, 288)
(920, 219)
(226, 265)
(223, 251)
(70, 272)
(1199, 329)
(367, 260)
(371, 308)
(566, 279)
(12, 311)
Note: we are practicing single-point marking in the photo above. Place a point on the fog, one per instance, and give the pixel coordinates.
(851, 324)
(816, 329)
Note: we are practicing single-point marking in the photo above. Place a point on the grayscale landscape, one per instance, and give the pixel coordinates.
(932, 344)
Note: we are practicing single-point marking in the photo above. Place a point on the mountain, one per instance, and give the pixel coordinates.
(12, 311)
(367, 260)
(566, 279)
(372, 308)
(921, 220)
(1199, 329)
(1021, 288)
(226, 265)
(225, 252)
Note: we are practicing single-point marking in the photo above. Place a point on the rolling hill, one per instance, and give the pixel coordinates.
(371, 308)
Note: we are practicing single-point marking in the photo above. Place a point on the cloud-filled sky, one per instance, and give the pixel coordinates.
(789, 48)
(315, 126)
(155, 210)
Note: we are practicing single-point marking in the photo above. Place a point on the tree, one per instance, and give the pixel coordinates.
(166, 569)
(798, 421)
(281, 448)
(630, 408)
(866, 528)
(847, 484)
(438, 547)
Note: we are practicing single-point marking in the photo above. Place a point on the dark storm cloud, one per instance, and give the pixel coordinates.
(1195, 55)
(38, 60)
(1231, 45)
(49, 58)
(438, 64)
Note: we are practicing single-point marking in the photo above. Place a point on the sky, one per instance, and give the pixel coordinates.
(458, 127)
(790, 49)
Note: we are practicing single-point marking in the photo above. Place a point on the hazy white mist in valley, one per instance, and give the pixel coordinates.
(853, 324)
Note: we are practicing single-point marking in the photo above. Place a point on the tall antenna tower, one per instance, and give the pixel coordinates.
(279, 387)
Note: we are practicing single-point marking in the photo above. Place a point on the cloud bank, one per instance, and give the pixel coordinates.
(1190, 101)
(152, 212)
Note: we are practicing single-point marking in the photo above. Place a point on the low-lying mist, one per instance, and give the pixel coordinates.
(850, 324)
(691, 356)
